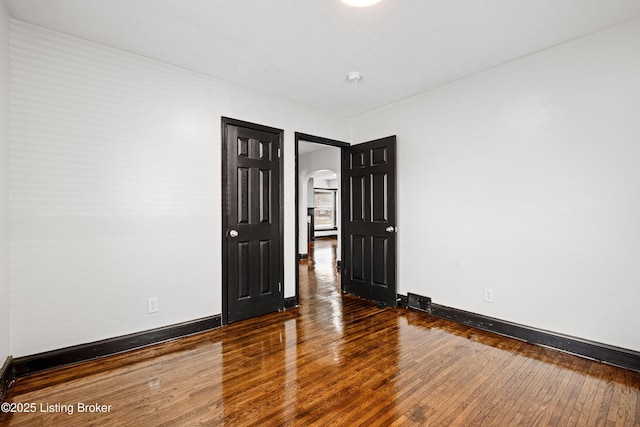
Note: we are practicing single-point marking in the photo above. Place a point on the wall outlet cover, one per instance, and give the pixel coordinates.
(152, 305)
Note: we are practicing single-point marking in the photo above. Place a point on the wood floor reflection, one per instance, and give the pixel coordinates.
(337, 360)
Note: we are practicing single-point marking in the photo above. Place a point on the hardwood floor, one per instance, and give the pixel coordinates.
(336, 360)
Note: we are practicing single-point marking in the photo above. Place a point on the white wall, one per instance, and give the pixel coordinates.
(308, 163)
(526, 179)
(310, 184)
(323, 183)
(116, 188)
(4, 184)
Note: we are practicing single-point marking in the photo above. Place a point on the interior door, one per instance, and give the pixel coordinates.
(369, 220)
(252, 248)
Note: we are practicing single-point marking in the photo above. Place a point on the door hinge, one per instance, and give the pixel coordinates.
(278, 152)
(279, 286)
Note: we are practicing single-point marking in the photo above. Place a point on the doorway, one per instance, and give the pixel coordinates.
(318, 205)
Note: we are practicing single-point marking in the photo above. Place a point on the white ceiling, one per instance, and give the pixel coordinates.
(303, 49)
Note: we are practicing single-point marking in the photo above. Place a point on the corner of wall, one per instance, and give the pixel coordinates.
(4, 184)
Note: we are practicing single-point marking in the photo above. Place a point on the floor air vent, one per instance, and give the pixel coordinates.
(418, 302)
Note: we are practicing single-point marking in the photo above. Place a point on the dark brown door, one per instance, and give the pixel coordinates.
(252, 248)
(369, 220)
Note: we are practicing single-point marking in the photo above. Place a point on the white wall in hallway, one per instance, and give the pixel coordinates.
(116, 179)
(526, 179)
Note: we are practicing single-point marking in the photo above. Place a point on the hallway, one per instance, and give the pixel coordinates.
(318, 272)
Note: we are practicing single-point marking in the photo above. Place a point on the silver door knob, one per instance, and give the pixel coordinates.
(233, 233)
(390, 229)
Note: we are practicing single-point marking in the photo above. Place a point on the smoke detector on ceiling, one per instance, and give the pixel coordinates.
(354, 77)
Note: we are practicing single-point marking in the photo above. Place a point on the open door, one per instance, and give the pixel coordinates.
(369, 220)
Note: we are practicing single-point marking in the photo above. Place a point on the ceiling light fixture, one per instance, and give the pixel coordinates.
(360, 3)
(354, 77)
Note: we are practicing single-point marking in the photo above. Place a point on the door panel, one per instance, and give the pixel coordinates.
(357, 198)
(369, 196)
(379, 257)
(252, 250)
(358, 259)
(379, 197)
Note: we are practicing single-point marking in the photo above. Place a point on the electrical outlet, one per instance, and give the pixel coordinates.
(488, 295)
(152, 305)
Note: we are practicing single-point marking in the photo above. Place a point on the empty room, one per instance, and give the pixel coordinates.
(321, 212)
